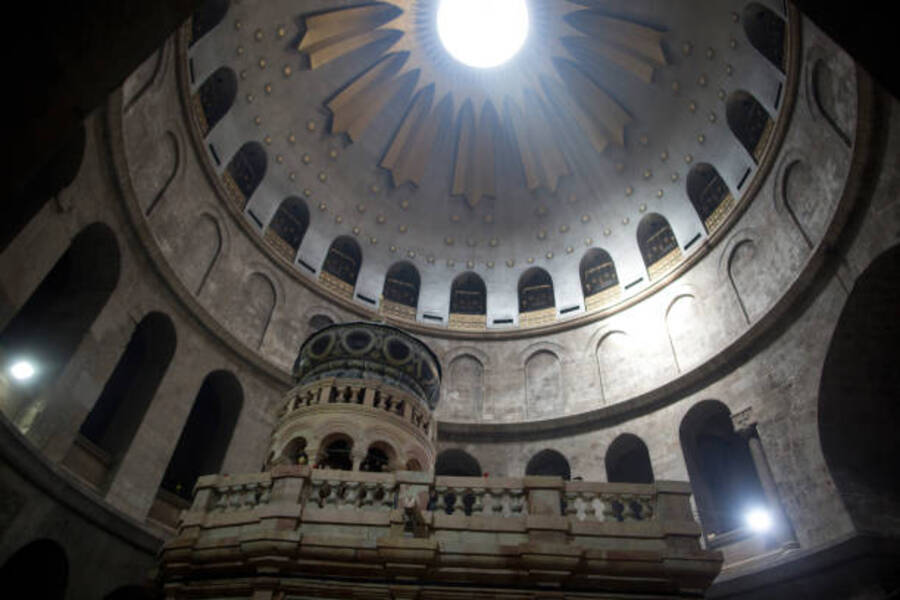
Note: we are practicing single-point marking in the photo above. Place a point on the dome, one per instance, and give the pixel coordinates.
(287, 271)
(351, 141)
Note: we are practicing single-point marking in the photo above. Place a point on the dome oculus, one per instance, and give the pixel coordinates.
(482, 33)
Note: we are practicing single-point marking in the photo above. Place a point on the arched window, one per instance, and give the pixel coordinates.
(109, 428)
(401, 290)
(457, 463)
(468, 301)
(720, 467)
(245, 172)
(288, 226)
(535, 290)
(658, 245)
(749, 122)
(599, 280)
(628, 461)
(380, 458)
(206, 434)
(52, 323)
(39, 569)
(217, 95)
(205, 18)
(709, 194)
(549, 463)
(295, 452)
(336, 454)
(342, 265)
(767, 33)
(57, 174)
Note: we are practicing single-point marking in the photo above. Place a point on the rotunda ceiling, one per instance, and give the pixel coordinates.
(606, 151)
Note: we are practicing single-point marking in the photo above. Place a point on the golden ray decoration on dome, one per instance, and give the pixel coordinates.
(522, 98)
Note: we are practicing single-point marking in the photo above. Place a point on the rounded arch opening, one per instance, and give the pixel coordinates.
(117, 414)
(708, 192)
(767, 33)
(457, 463)
(336, 452)
(380, 458)
(749, 122)
(859, 413)
(657, 243)
(720, 468)
(217, 96)
(468, 295)
(535, 290)
(344, 260)
(628, 460)
(597, 272)
(206, 434)
(288, 226)
(401, 284)
(246, 171)
(206, 17)
(549, 463)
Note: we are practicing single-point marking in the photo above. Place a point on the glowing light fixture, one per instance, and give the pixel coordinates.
(22, 370)
(482, 33)
(758, 520)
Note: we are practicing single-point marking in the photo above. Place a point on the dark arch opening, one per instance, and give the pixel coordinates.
(707, 191)
(720, 468)
(344, 260)
(377, 459)
(337, 455)
(468, 295)
(39, 569)
(597, 271)
(535, 290)
(118, 412)
(549, 463)
(628, 461)
(206, 434)
(859, 412)
(655, 239)
(49, 181)
(749, 122)
(289, 225)
(767, 33)
(206, 17)
(247, 169)
(457, 463)
(401, 285)
(52, 323)
(217, 96)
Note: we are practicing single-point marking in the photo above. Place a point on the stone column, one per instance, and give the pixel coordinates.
(783, 531)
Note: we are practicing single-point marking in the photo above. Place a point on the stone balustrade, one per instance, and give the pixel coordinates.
(301, 523)
(384, 398)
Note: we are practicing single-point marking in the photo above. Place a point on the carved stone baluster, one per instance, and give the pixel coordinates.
(351, 495)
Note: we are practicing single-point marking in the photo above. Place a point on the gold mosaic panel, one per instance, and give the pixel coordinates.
(665, 264)
(234, 192)
(718, 217)
(200, 115)
(468, 322)
(281, 247)
(537, 317)
(608, 296)
(397, 310)
(338, 286)
(763, 140)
